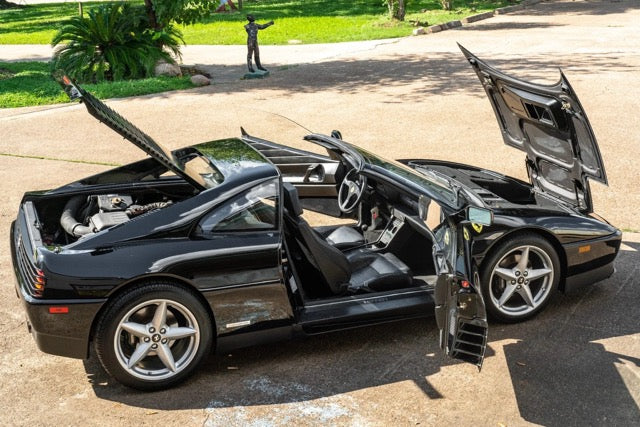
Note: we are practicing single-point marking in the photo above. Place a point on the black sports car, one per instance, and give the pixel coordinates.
(159, 261)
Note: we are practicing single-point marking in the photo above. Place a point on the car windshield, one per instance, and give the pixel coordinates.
(436, 186)
(286, 131)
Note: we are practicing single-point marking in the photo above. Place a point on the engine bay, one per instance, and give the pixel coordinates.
(84, 215)
(63, 219)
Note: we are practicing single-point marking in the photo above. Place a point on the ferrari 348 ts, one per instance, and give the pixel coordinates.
(159, 261)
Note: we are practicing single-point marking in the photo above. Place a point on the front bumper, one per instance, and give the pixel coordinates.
(591, 261)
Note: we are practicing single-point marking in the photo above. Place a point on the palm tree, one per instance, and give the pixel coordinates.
(113, 43)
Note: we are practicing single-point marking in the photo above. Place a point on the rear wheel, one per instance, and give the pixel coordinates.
(153, 336)
(519, 277)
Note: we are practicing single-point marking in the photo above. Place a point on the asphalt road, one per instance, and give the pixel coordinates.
(578, 363)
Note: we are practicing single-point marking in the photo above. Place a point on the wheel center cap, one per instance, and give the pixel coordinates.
(155, 337)
(521, 280)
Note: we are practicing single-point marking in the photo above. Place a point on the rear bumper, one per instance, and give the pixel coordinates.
(63, 334)
(591, 261)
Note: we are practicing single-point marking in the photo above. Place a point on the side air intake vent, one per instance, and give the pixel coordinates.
(470, 343)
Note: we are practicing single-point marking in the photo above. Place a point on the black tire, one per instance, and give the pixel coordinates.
(526, 291)
(128, 325)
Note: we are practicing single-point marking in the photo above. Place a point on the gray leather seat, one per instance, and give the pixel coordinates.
(345, 237)
(361, 270)
(373, 271)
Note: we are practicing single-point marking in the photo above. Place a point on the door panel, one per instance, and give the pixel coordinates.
(460, 312)
(463, 328)
(314, 175)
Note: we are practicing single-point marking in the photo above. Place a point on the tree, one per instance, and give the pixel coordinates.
(160, 13)
(397, 8)
(4, 4)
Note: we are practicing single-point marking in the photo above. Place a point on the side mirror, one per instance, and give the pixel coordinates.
(480, 216)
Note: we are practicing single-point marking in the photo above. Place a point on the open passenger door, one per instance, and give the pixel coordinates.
(459, 307)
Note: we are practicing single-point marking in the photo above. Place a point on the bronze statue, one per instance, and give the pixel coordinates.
(252, 42)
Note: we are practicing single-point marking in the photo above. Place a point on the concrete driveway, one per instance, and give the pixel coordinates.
(577, 363)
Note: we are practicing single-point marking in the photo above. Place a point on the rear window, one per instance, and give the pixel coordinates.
(253, 210)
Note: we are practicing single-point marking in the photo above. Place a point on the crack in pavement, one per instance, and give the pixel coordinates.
(53, 159)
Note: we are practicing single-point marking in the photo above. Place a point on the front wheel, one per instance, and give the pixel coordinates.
(519, 277)
(153, 336)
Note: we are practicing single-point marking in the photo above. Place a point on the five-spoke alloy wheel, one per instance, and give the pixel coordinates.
(519, 277)
(153, 336)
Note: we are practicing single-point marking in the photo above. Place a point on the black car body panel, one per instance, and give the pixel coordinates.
(221, 230)
(517, 207)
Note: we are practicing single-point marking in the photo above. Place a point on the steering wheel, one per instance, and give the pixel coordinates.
(351, 191)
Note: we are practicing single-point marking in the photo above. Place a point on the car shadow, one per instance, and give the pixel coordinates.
(578, 364)
(298, 370)
(568, 366)
(606, 7)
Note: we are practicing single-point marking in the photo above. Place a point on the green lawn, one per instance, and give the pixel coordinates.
(35, 24)
(308, 21)
(302, 21)
(30, 83)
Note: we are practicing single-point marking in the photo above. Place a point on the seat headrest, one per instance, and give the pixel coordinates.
(291, 200)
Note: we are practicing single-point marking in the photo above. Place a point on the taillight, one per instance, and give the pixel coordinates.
(39, 281)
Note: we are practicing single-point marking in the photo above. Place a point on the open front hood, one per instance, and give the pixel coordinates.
(130, 132)
(549, 125)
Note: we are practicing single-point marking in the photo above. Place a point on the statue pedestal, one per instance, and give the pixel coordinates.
(258, 74)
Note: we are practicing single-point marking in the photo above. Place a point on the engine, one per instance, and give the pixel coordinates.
(84, 215)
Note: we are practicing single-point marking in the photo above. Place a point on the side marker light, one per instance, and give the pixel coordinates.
(584, 249)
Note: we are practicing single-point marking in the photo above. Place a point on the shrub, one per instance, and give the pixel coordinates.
(113, 42)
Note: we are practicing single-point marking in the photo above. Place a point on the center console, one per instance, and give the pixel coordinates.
(388, 234)
(396, 223)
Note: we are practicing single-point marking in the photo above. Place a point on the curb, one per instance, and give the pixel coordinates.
(478, 17)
